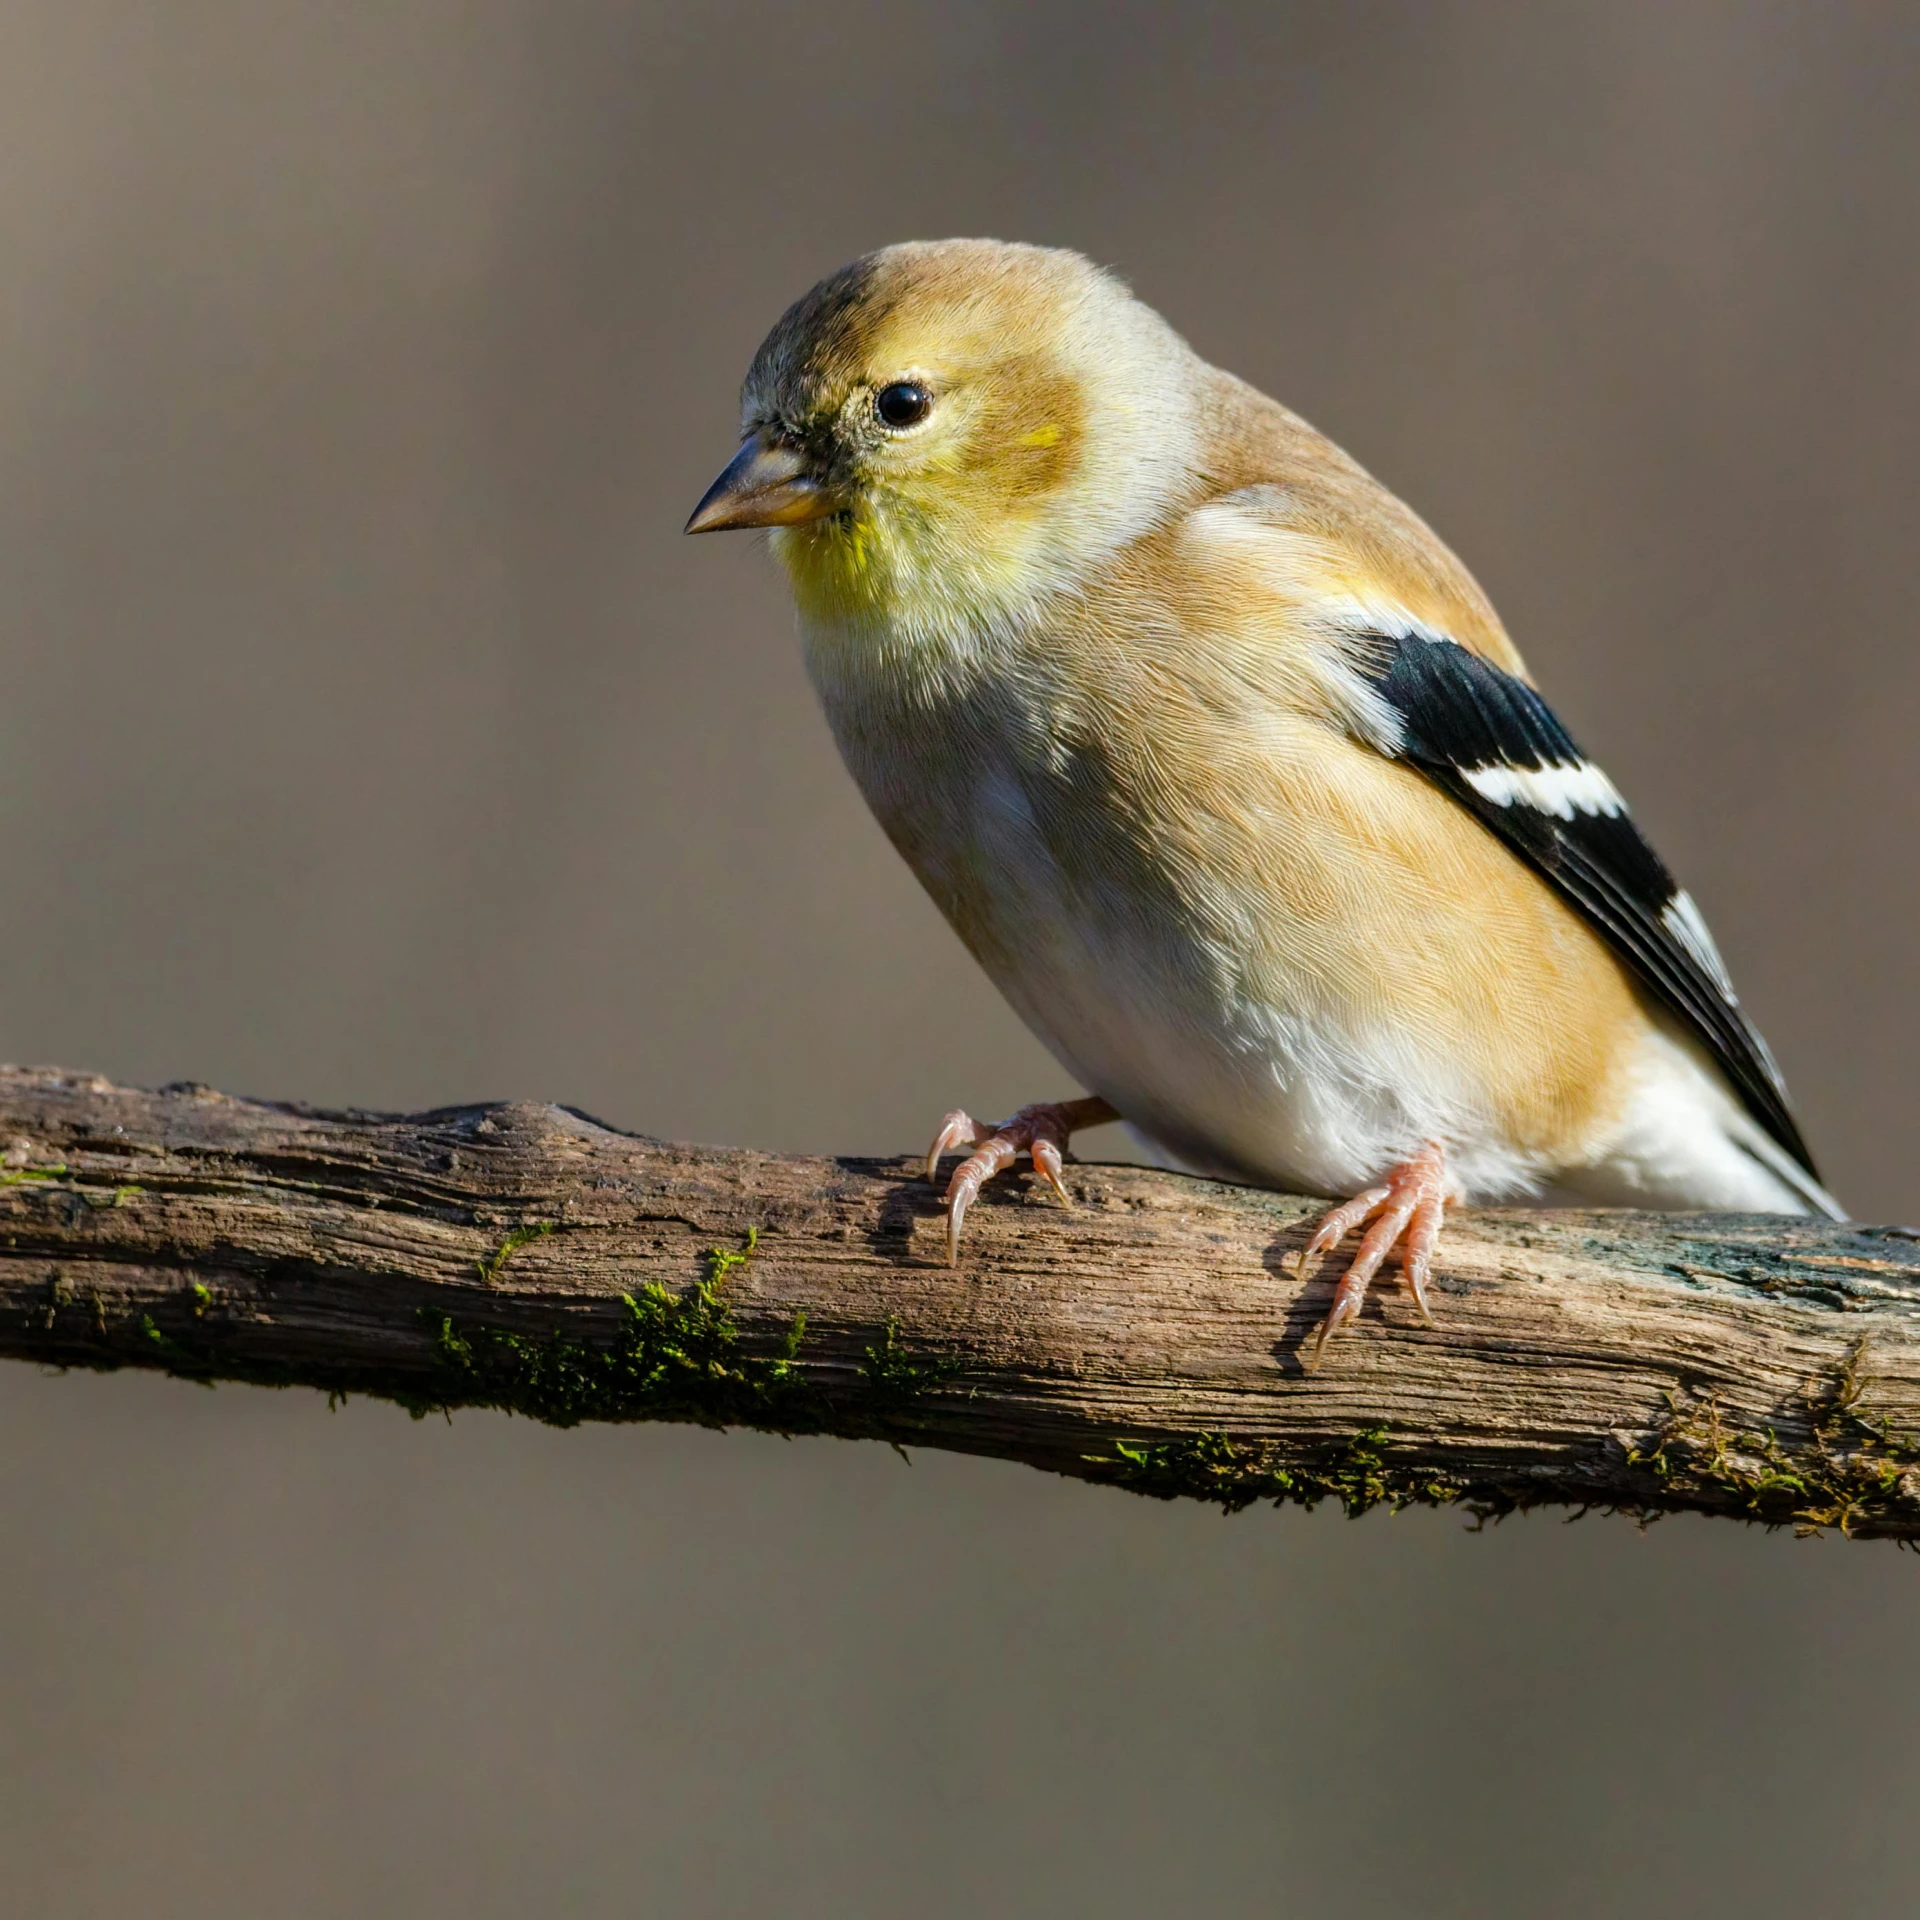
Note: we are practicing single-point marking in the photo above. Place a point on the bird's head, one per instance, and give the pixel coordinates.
(946, 431)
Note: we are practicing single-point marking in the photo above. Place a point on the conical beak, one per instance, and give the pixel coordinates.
(764, 485)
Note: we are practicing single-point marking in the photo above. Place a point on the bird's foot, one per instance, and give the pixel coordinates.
(1406, 1211)
(1040, 1131)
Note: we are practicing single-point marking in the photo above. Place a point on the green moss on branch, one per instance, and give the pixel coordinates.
(1850, 1472)
(672, 1358)
(1234, 1475)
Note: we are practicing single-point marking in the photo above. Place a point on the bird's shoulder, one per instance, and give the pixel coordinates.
(1282, 521)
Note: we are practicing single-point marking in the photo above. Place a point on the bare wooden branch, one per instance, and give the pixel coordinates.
(1153, 1335)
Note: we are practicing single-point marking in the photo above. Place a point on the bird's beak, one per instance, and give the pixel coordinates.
(765, 485)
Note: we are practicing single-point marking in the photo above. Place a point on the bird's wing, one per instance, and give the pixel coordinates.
(1485, 737)
(1412, 659)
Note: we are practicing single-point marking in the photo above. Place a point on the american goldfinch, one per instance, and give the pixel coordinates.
(1225, 770)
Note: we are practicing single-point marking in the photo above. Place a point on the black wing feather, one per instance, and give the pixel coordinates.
(1463, 716)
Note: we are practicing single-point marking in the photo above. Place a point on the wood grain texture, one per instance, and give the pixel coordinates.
(1152, 1335)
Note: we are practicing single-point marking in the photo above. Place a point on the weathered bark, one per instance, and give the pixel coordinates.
(1153, 1335)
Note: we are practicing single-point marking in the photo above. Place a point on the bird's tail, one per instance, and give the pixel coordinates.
(1797, 1179)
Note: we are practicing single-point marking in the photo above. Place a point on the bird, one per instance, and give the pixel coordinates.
(1225, 770)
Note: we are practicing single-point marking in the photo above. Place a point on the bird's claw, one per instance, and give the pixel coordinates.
(1408, 1212)
(1041, 1132)
(1050, 1166)
(958, 1129)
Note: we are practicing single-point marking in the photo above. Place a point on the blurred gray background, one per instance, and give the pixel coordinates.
(369, 734)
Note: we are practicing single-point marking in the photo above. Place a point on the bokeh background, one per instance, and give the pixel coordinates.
(369, 734)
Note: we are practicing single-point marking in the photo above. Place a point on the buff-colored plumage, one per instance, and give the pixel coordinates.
(1083, 634)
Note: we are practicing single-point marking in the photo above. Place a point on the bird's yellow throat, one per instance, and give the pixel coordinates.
(906, 566)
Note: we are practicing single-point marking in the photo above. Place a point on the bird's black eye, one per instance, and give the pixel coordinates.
(903, 403)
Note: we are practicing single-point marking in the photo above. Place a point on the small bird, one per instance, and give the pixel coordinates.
(1223, 767)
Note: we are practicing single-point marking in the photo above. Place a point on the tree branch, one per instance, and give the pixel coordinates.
(1152, 1336)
